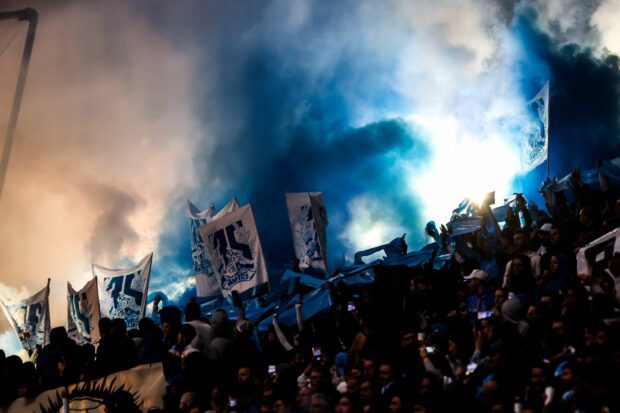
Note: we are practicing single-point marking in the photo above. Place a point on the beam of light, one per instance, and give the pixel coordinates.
(461, 166)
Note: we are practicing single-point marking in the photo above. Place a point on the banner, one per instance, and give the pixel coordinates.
(308, 217)
(83, 313)
(207, 284)
(536, 143)
(122, 293)
(30, 318)
(234, 250)
(597, 253)
(139, 389)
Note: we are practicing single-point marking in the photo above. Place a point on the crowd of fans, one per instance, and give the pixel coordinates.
(507, 325)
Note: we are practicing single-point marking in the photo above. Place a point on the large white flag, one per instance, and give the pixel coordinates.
(30, 318)
(234, 250)
(122, 293)
(207, 284)
(535, 145)
(308, 217)
(597, 253)
(83, 313)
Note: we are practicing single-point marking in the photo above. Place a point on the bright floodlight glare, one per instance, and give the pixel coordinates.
(462, 166)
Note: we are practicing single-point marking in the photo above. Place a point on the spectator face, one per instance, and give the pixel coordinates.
(318, 404)
(167, 328)
(500, 297)
(280, 407)
(344, 405)
(315, 378)
(396, 405)
(516, 266)
(353, 384)
(519, 240)
(385, 374)
(554, 264)
(370, 368)
(303, 398)
(408, 341)
(243, 376)
(567, 377)
(366, 391)
(537, 379)
(555, 236)
(425, 386)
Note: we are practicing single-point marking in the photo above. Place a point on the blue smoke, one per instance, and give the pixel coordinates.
(314, 113)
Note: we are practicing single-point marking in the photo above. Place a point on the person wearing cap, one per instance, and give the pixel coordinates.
(480, 297)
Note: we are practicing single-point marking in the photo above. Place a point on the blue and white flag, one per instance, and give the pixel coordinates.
(30, 318)
(122, 293)
(207, 284)
(234, 250)
(308, 217)
(83, 313)
(535, 145)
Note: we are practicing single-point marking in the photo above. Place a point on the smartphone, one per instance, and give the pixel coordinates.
(470, 368)
(271, 369)
(351, 307)
(484, 314)
(232, 402)
(316, 352)
(430, 349)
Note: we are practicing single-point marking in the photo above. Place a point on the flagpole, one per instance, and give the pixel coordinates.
(32, 16)
(548, 123)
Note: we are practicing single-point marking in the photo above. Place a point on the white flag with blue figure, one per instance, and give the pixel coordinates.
(535, 146)
(308, 217)
(83, 313)
(234, 250)
(123, 292)
(207, 284)
(30, 318)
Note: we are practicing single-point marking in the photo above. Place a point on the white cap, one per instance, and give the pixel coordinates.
(479, 274)
(546, 227)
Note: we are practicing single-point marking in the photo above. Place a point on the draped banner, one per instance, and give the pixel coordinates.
(536, 143)
(207, 284)
(122, 293)
(141, 388)
(597, 253)
(308, 217)
(83, 313)
(30, 318)
(234, 250)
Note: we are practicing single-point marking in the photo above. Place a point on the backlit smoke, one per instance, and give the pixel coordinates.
(395, 111)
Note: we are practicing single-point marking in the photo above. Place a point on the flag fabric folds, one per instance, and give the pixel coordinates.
(597, 253)
(123, 292)
(83, 313)
(207, 284)
(308, 218)
(30, 318)
(233, 247)
(535, 145)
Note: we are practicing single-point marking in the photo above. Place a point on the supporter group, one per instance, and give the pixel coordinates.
(506, 325)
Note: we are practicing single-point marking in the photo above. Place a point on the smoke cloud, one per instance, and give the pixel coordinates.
(395, 111)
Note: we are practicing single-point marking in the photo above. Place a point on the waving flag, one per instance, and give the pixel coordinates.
(535, 146)
(83, 313)
(30, 318)
(207, 284)
(234, 250)
(308, 217)
(122, 293)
